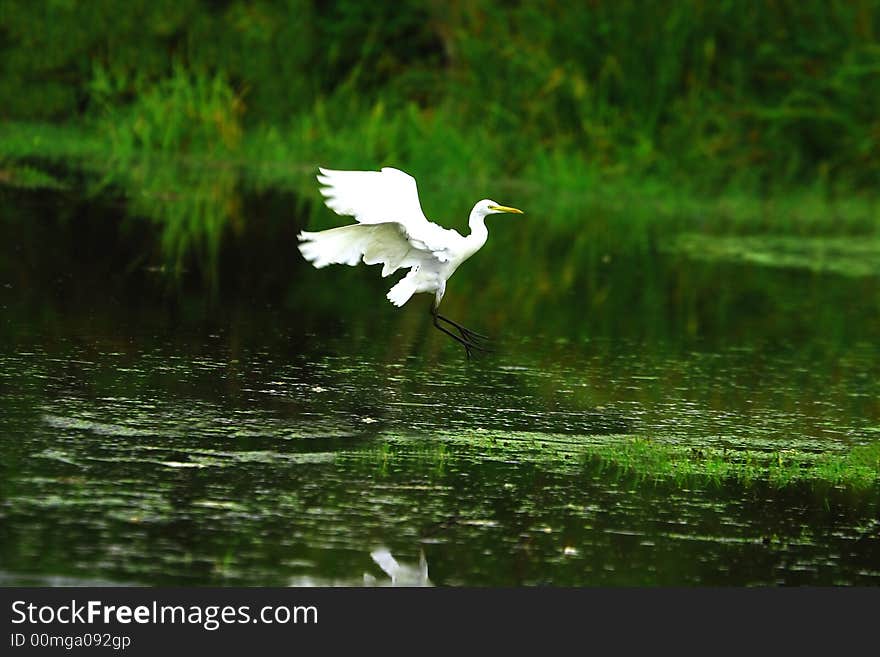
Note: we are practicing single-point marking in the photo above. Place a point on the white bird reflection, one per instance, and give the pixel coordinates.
(400, 574)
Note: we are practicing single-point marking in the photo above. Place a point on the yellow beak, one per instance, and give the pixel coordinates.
(504, 208)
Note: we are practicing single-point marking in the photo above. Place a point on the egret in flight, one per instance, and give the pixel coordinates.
(392, 229)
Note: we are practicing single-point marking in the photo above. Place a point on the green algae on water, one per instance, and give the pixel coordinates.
(857, 468)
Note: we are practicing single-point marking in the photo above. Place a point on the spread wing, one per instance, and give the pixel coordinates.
(386, 243)
(373, 197)
(387, 196)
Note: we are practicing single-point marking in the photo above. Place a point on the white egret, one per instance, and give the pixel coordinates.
(392, 229)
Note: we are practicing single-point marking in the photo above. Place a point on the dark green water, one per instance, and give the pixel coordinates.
(282, 428)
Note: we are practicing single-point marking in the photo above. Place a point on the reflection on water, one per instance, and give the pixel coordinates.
(270, 442)
(402, 574)
(398, 574)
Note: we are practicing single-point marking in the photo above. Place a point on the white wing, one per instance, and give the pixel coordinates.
(387, 196)
(373, 197)
(348, 245)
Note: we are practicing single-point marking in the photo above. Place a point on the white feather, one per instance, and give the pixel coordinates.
(348, 245)
(373, 197)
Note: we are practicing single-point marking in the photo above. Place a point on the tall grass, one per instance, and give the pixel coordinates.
(185, 112)
(189, 114)
(754, 96)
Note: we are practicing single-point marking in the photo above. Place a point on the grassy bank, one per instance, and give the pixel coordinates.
(857, 468)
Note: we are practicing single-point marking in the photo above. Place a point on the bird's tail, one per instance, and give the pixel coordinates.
(405, 288)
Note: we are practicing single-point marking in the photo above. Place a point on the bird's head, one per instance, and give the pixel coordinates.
(487, 206)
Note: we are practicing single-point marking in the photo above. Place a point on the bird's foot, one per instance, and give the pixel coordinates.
(472, 336)
(466, 333)
(474, 343)
(474, 350)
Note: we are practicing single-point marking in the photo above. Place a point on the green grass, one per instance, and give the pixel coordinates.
(183, 113)
(857, 468)
(709, 95)
(24, 176)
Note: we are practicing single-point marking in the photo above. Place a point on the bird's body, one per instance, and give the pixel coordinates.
(391, 229)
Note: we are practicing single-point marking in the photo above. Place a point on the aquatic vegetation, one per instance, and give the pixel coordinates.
(858, 468)
(651, 459)
(847, 256)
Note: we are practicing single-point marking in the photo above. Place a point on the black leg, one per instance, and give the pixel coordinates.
(466, 333)
(467, 345)
(467, 339)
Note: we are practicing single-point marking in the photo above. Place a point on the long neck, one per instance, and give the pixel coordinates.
(477, 223)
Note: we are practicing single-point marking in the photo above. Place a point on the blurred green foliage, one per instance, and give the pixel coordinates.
(178, 114)
(752, 94)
